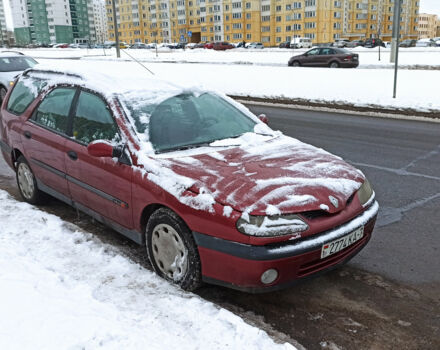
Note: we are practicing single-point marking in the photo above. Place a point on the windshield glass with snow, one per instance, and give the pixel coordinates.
(188, 120)
(14, 64)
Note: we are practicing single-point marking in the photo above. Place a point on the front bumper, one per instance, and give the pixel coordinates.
(240, 265)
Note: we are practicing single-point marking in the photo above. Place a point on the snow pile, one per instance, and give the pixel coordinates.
(62, 289)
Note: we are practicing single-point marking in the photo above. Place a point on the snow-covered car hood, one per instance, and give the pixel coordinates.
(276, 175)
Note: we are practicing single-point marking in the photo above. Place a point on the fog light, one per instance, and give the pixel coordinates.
(269, 276)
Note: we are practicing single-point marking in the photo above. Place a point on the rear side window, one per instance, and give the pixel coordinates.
(25, 91)
(53, 112)
(93, 120)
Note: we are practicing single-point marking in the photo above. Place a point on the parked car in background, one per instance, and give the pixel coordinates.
(425, 43)
(285, 45)
(221, 46)
(61, 46)
(255, 46)
(208, 45)
(325, 57)
(12, 63)
(355, 43)
(190, 46)
(139, 46)
(341, 43)
(299, 43)
(199, 46)
(408, 43)
(372, 42)
(277, 212)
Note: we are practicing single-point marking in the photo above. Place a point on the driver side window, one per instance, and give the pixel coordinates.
(93, 120)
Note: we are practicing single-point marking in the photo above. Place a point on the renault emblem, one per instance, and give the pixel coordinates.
(333, 201)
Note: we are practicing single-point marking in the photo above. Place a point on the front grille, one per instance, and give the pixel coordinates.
(313, 214)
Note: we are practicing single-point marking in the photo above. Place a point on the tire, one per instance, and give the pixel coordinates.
(27, 183)
(334, 64)
(296, 64)
(3, 92)
(172, 250)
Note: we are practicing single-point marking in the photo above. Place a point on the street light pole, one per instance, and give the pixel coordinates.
(395, 41)
(115, 24)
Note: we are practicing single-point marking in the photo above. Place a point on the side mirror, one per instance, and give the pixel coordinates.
(102, 148)
(263, 118)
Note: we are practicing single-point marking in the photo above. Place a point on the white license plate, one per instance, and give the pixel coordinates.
(337, 245)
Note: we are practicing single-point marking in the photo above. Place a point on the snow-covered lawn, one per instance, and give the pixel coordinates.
(368, 58)
(61, 288)
(417, 89)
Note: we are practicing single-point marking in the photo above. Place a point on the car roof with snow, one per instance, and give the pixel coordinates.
(91, 74)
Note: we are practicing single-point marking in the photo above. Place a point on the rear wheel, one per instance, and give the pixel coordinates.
(334, 64)
(172, 250)
(27, 184)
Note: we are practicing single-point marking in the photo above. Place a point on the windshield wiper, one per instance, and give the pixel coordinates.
(185, 147)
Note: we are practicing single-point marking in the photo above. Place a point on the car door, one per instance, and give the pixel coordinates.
(102, 185)
(326, 56)
(310, 58)
(44, 138)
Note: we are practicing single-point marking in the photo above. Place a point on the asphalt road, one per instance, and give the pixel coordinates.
(388, 297)
(402, 161)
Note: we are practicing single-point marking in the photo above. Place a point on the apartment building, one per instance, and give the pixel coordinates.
(100, 17)
(53, 21)
(4, 40)
(268, 21)
(427, 26)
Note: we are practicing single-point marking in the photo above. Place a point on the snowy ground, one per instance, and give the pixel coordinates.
(368, 58)
(61, 288)
(417, 89)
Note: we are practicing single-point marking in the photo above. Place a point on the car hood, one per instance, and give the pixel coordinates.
(6, 77)
(271, 175)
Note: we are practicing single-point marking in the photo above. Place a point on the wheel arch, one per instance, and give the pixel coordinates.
(15, 154)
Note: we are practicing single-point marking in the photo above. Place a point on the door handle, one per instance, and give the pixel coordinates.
(72, 155)
(27, 134)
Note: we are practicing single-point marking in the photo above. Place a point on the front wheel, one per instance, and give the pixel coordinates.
(172, 250)
(296, 64)
(27, 184)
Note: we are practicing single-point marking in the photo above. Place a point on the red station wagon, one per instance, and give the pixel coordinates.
(214, 193)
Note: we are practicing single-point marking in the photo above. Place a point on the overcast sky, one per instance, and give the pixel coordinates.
(426, 6)
(430, 6)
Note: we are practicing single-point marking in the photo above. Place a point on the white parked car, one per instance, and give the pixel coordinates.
(255, 46)
(12, 63)
(425, 43)
(299, 43)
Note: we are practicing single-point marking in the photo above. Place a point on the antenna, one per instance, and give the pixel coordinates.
(134, 59)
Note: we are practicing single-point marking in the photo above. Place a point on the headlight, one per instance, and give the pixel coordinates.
(365, 193)
(271, 226)
(11, 83)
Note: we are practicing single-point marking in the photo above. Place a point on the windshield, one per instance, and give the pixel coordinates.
(14, 64)
(188, 120)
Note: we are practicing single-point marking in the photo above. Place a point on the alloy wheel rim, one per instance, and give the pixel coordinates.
(26, 181)
(169, 252)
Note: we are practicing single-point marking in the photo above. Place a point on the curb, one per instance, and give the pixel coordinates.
(343, 108)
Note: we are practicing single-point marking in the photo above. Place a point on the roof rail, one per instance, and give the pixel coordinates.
(32, 70)
(17, 52)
